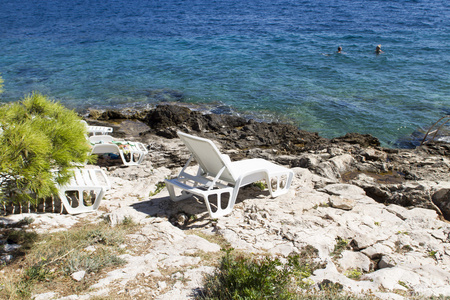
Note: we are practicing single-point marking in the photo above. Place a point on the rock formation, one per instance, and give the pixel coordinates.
(375, 214)
(407, 177)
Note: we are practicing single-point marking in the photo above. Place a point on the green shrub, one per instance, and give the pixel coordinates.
(239, 277)
(243, 278)
(40, 142)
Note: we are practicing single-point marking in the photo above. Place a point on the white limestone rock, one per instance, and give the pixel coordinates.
(78, 276)
(191, 279)
(44, 296)
(342, 162)
(351, 260)
(330, 273)
(345, 190)
(393, 278)
(10, 247)
(377, 250)
(386, 261)
(388, 296)
(341, 202)
(305, 179)
(402, 238)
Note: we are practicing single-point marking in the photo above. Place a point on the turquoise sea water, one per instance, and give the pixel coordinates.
(272, 60)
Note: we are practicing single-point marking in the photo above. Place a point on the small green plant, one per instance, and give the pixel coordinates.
(91, 263)
(402, 232)
(24, 238)
(403, 284)
(353, 274)
(399, 248)
(432, 254)
(377, 223)
(159, 187)
(127, 221)
(323, 204)
(341, 245)
(37, 272)
(260, 184)
(407, 248)
(27, 220)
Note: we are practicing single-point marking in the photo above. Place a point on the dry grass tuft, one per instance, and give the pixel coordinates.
(48, 260)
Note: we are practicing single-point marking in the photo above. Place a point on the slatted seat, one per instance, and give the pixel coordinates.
(97, 130)
(131, 153)
(85, 190)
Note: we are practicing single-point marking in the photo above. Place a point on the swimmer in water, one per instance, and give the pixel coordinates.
(339, 50)
(378, 50)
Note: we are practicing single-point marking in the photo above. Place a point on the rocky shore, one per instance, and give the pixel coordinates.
(407, 177)
(389, 207)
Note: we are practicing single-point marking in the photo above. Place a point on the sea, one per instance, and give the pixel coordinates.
(271, 60)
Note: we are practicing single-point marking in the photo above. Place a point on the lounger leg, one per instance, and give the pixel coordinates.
(81, 208)
(279, 183)
(65, 202)
(140, 158)
(132, 161)
(124, 160)
(217, 210)
(173, 195)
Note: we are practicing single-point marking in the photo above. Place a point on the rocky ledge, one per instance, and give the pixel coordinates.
(407, 177)
(381, 213)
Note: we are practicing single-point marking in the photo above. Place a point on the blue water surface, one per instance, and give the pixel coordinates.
(272, 60)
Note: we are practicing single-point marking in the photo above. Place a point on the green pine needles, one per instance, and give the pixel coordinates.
(40, 142)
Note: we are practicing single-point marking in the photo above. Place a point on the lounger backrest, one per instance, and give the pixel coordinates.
(208, 156)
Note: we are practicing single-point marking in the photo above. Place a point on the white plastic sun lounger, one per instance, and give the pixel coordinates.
(218, 180)
(97, 130)
(135, 151)
(85, 185)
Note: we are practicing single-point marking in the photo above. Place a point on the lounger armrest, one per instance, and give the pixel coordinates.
(192, 189)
